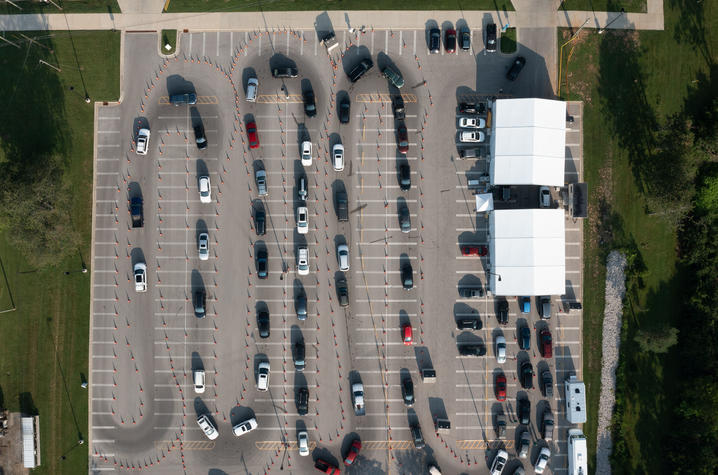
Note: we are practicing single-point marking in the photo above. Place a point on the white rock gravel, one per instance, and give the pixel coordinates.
(615, 291)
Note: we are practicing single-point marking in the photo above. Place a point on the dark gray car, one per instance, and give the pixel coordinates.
(547, 383)
(404, 219)
(434, 40)
(300, 305)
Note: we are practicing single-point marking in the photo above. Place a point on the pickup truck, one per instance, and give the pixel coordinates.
(326, 467)
(358, 399)
(136, 212)
(330, 42)
(500, 426)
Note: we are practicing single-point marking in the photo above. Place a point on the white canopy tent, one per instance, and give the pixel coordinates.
(528, 142)
(484, 202)
(527, 252)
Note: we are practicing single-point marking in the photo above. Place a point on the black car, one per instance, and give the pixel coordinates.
(465, 38)
(263, 323)
(345, 110)
(200, 303)
(468, 324)
(407, 276)
(404, 219)
(136, 212)
(407, 391)
(260, 219)
(472, 350)
(299, 353)
(471, 292)
(402, 139)
(285, 72)
(516, 68)
(404, 177)
(491, 42)
(467, 108)
(434, 40)
(527, 375)
(525, 338)
(310, 107)
(300, 305)
(262, 264)
(524, 410)
(199, 137)
(360, 69)
(397, 106)
(343, 292)
(417, 436)
(303, 401)
(547, 383)
(502, 312)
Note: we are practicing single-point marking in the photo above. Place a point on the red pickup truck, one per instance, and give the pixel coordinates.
(325, 467)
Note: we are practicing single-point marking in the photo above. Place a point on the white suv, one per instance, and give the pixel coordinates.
(500, 349)
(343, 257)
(140, 277)
(338, 157)
(307, 154)
(205, 190)
(302, 220)
(143, 141)
(263, 376)
(203, 246)
(198, 377)
(303, 261)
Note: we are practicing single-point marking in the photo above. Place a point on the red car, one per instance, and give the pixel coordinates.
(326, 467)
(478, 251)
(546, 344)
(353, 452)
(403, 143)
(501, 387)
(450, 41)
(252, 135)
(406, 334)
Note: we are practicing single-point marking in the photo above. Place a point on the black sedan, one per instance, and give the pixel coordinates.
(344, 110)
(302, 401)
(407, 276)
(263, 323)
(468, 324)
(407, 391)
(502, 312)
(527, 375)
(516, 68)
(524, 410)
(310, 106)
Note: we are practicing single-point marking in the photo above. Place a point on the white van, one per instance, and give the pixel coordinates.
(575, 392)
(252, 87)
(577, 453)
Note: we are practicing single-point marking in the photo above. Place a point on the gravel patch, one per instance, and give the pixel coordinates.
(615, 291)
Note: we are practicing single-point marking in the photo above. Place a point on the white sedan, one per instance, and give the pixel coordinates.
(343, 257)
(203, 246)
(542, 460)
(198, 377)
(303, 443)
(471, 136)
(500, 349)
(307, 154)
(263, 376)
(245, 427)
(303, 261)
(338, 157)
(143, 141)
(140, 277)
(472, 123)
(207, 427)
(302, 220)
(205, 190)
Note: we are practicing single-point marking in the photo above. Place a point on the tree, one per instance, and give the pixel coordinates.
(657, 340)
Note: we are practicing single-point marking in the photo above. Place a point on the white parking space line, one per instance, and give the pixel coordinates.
(204, 43)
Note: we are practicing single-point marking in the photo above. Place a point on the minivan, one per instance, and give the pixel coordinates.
(252, 87)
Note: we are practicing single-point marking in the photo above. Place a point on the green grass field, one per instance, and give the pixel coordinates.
(168, 37)
(634, 6)
(44, 352)
(628, 81)
(68, 6)
(508, 41)
(321, 5)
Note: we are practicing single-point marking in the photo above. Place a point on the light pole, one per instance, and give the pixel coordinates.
(494, 273)
(602, 30)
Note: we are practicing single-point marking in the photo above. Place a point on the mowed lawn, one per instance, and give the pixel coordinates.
(628, 80)
(68, 6)
(637, 6)
(322, 5)
(44, 353)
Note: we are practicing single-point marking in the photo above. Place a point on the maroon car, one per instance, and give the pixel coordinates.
(450, 41)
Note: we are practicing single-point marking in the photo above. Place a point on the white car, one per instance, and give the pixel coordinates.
(263, 376)
(203, 246)
(244, 427)
(303, 443)
(500, 349)
(206, 425)
(471, 136)
(343, 257)
(205, 190)
(303, 261)
(140, 277)
(542, 460)
(143, 141)
(307, 154)
(302, 220)
(544, 197)
(499, 462)
(198, 377)
(338, 157)
(472, 123)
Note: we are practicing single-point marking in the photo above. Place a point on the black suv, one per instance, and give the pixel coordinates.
(343, 292)
(344, 110)
(200, 303)
(263, 323)
(285, 73)
(310, 107)
(417, 436)
(397, 106)
(303, 401)
(516, 68)
(502, 312)
(472, 350)
(527, 375)
(434, 40)
(524, 411)
(491, 37)
(407, 391)
(404, 176)
(468, 324)
(262, 264)
(199, 137)
(299, 355)
(360, 69)
(259, 221)
(407, 276)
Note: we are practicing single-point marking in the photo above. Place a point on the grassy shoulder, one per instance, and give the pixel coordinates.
(177, 6)
(45, 342)
(68, 6)
(631, 6)
(168, 42)
(630, 82)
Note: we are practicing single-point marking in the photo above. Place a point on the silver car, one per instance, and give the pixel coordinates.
(303, 443)
(203, 246)
(143, 141)
(261, 179)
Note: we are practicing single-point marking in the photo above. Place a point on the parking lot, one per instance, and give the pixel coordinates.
(145, 346)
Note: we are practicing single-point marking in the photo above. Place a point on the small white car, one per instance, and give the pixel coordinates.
(303, 261)
(198, 378)
(143, 141)
(140, 277)
(206, 425)
(472, 123)
(245, 427)
(544, 197)
(205, 190)
(500, 349)
(263, 376)
(542, 460)
(471, 136)
(203, 246)
(303, 443)
(302, 220)
(343, 257)
(338, 157)
(499, 462)
(307, 154)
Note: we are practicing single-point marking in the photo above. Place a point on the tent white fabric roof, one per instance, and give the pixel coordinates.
(28, 442)
(528, 142)
(484, 202)
(527, 251)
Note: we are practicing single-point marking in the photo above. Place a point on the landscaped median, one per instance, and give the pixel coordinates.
(46, 172)
(59, 6)
(177, 6)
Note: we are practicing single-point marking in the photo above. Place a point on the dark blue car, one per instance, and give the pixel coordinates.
(525, 338)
